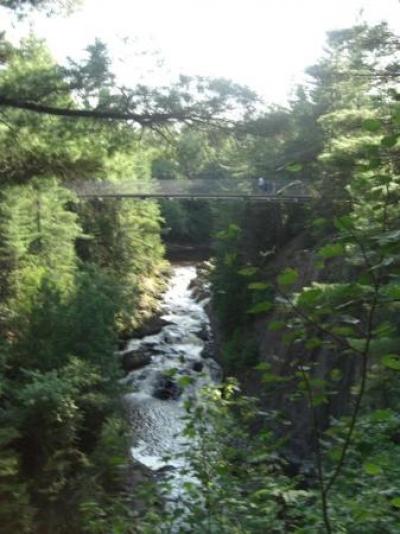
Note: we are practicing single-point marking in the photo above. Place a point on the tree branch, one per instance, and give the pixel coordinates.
(144, 119)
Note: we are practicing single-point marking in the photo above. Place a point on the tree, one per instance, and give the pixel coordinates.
(22, 7)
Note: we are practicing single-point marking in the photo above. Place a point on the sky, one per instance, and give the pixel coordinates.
(265, 44)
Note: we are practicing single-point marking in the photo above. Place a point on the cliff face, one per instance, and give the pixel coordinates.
(282, 356)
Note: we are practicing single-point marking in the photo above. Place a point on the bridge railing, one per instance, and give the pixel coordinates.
(195, 188)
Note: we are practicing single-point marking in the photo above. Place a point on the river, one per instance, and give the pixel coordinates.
(177, 371)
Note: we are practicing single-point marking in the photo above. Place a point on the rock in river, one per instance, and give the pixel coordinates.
(166, 388)
(135, 359)
(198, 366)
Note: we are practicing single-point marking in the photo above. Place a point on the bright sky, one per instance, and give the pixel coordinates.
(265, 44)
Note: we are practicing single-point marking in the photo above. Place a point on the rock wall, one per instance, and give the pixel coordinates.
(273, 350)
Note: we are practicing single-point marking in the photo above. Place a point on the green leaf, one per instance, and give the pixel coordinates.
(318, 399)
(384, 329)
(248, 271)
(357, 344)
(309, 296)
(170, 372)
(374, 163)
(391, 361)
(383, 179)
(294, 167)
(230, 233)
(389, 141)
(382, 416)
(343, 330)
(372, 469)
(230, 258)
(391, 290)
(260, 307)
(371, 125)
(272, 378)
(344, 223)
(331, 250)
(262, 494)
(288, 277)
(335, 453)
(259, 286)
(395, 502)
(117, 460)
(290, 337)
(336, 374)
(313, 343)
(189, 486)
(263, 366)
(319, 222)
(185, 380)
(273, 326)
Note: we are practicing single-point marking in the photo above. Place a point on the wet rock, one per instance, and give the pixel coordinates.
(166, 388)
(171, 337)
(198, 366)
(151, 341)
(199, 288)
(208, 351)
(143, 376)
(151, 327)
(215, 370)
(204, 333)
(135, 359)
(165, 469)
(121, 344)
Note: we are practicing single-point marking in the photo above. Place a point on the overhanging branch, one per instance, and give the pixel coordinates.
(144, 119)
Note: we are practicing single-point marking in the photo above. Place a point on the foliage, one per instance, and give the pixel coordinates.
(229, 482)
(339, 324)
(76, 274)
(73, 276)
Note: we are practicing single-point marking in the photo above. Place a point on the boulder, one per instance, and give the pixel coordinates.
(198, 366)
(166, 388)
(204, 333)
(208, 351)
(135, 359)
(151, 327)
(171, 337)
(199, 289)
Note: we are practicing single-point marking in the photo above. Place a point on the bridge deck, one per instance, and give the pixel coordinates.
(138, 196)
(271, 190)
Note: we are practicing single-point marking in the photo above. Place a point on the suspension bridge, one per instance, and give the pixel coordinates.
(250, 188)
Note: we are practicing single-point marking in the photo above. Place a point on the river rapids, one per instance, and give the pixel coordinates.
(156, 399)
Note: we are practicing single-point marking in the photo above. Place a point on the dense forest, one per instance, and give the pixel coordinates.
(303, 435)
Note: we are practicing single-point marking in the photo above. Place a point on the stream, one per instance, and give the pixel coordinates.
(157, 396)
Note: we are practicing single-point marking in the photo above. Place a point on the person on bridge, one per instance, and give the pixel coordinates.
(264, 185)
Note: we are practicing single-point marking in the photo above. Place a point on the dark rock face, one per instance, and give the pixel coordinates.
(184, 252)
(135, 359)
(208, 350)
(204, 333)
(215, 370)
(166, 388)
(198, 366)
(199, 289)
